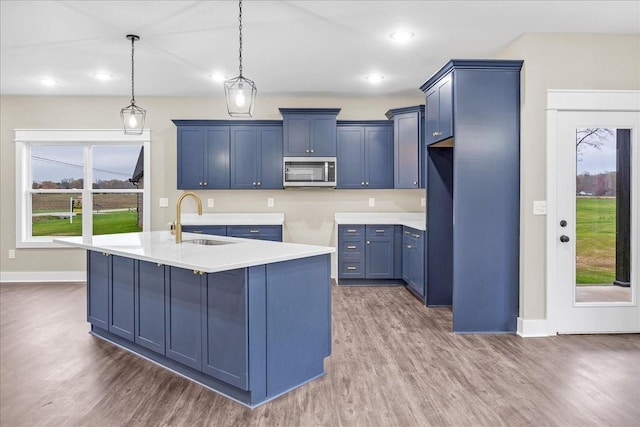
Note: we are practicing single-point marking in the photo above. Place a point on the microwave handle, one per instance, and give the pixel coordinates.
(326, 171)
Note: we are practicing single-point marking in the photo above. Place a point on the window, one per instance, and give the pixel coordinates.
(80, 183)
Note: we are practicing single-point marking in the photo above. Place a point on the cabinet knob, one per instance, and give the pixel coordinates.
(408, 246)
(205, 183)
(368, 242)
(307, 151)
(254, 183)
(259, 183)
(367, 183)
(362, 183)
(200, 183)
(437, 133)
(313, 151)
(159, 265)
(415, 183)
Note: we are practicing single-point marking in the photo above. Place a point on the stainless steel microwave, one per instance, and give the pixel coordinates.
(309, 172)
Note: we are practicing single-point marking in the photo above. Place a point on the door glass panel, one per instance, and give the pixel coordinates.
(603, 215)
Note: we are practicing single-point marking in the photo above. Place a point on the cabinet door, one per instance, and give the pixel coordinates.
(323, 136)
(98, 271)
(445, 121)
(225, 349)
(297, 135)
(259, 232)
(150, 306)
(432, 115)
(216, 154)
(351, 157)
(406, 140)
(121, 297)
(379, 252)
(407, 245)
(190, 158)
(378, 157)
(184, 319)
(270, 156)
(244, 158)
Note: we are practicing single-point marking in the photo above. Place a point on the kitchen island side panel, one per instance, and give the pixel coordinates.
(298, 321)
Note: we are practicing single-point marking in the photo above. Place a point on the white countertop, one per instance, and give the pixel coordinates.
(415, 220)
(232, 219)
(160, 247)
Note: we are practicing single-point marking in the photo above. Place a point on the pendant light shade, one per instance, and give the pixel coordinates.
(132, 115)
(240, 92)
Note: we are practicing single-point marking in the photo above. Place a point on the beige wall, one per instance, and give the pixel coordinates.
(308, 213)
(557, 61)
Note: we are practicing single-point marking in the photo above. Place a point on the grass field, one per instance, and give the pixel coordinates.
(595, 240)
(104, 223)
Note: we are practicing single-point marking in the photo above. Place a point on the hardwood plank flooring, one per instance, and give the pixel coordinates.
(394, 363)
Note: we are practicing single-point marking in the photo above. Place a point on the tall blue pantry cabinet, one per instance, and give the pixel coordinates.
(473, 192)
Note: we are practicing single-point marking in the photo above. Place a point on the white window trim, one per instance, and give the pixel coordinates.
(23, 140)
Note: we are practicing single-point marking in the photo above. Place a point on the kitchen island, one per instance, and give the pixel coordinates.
(249, 319)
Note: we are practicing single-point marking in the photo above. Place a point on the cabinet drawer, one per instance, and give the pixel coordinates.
(263, 232)
(379, 231)
(351, 269)
(217, 230)
(351, 231)
(351, 248)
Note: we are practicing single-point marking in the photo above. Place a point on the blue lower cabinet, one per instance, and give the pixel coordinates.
(150, 306)
(216, 230)
(184, 320)
(413, 260)
(380, 252)
(225, 328)
(98, 277)
(121, 297)
(369, 252)
(260, 232)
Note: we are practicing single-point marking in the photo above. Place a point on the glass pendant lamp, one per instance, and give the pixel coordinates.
(132, 115)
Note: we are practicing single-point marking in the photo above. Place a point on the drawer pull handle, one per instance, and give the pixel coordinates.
(351, 231)
(406, 232)
(408, 246)
(352, 268)
(159, 265)
(379, 231)
(351, 247)
(417, 236)
(254, 231)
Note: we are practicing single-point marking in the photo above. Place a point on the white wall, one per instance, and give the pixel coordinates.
(308, 213)
(557, 61)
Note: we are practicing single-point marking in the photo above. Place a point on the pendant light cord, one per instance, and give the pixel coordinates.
(240, 27)
(133, 98)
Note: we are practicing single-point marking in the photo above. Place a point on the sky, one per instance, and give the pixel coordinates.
(55, 163)
(594, 160)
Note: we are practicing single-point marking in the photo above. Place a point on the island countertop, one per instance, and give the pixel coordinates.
(161, 247)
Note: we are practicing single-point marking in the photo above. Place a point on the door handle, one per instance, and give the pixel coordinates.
(564, 239)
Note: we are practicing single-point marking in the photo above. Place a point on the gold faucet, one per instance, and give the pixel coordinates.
(178, 204)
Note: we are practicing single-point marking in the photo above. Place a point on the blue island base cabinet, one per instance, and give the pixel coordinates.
(251, 334)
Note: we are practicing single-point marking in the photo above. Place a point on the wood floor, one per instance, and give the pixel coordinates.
(394, 363)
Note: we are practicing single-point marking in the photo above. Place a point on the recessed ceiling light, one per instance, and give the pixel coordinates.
(103, 76)
(375, 78)
(401, 36)
(217, 77)
(47, 81)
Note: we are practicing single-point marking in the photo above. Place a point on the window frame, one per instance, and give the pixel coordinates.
(87, 138)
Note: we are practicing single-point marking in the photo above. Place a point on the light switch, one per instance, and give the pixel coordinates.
(164, 202)
(12, 254)
(270, 202)
(372, 202)
(210, 203)
(539, 207)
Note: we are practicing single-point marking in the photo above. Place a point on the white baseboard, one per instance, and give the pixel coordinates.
(528, 328)
(42, 276)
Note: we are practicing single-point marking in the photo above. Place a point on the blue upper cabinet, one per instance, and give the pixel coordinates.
(256, 157)
(309, 132)
(439, 110)
(203, 157)
(365, 154)
(408, 146)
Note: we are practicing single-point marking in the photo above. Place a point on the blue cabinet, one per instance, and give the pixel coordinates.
(369, 252)
(439, 110)
(98, 277)
(260, 232)
(256, 157)
(225, 328)
(203, 157)
(413, 260)
(183, 317)
(150, 306)
(309, 132)
(408, 146)
(365, 155)
(121, 297)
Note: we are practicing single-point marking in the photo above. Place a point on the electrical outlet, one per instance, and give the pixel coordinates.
(270, 202)
(423, 201)
(372, 202)
(210, 203)
(12, 254)
(163, 202)
(539, 207)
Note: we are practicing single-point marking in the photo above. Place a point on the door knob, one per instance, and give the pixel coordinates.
(564, 239)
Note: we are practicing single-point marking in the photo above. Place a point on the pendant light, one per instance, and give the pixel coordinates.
(132, 115)
(240, 92)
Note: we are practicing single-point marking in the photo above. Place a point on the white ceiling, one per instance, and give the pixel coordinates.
(322, 48)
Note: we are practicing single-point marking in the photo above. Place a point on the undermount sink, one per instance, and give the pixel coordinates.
(207, 242)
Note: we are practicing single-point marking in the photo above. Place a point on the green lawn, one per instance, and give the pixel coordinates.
(106, 223)
(595, 240)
